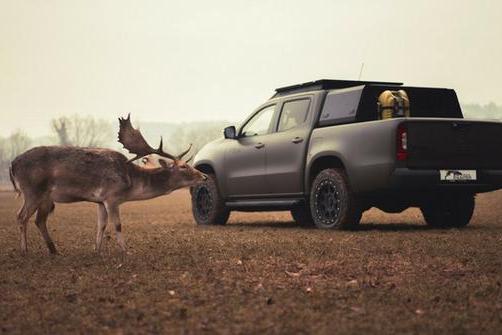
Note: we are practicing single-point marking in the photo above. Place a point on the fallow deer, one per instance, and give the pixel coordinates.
(61, 174)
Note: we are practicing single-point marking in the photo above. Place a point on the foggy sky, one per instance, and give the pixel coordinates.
(202, 60)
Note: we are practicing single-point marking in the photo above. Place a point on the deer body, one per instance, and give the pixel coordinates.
(55, 174)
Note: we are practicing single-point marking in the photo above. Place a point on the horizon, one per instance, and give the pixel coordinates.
(45, 131)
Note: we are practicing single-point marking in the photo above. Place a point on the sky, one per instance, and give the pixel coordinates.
(182, 61)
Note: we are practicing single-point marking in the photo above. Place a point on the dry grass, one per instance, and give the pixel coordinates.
(258, 274)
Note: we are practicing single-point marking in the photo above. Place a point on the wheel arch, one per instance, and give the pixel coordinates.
(208, 167)
(319, 163)
(205, 167)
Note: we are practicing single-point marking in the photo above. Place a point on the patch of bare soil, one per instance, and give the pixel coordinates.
(260, 273)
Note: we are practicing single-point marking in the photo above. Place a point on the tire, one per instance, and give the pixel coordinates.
(208, 207)
(332, 203)
(303, 216)
(449, 210)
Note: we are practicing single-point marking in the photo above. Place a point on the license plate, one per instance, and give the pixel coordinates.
(457, 175)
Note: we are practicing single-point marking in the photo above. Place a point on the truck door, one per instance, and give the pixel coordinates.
(286, 148)
(245, 156)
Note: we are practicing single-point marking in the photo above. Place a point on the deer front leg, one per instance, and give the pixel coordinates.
(101, 226)
(114, 215)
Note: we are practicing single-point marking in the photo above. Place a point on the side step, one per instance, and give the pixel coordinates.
(263, 204)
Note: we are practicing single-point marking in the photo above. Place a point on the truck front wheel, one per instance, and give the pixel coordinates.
(332, 203)
(208, 207)
(449, 210)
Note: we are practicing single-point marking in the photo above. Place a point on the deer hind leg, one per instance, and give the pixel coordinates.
(114, 215)
(101, 226)
(23, 215)
(43, 212)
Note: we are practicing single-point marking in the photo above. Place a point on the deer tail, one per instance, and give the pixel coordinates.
(13, 181)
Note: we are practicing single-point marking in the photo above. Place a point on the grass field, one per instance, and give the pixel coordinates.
(260, 273)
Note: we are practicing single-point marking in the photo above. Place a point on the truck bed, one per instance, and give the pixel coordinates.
(368, 151)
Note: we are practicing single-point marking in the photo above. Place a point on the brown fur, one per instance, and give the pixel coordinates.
(46, 175)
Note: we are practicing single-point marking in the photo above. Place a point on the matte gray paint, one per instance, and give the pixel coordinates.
(366, 149)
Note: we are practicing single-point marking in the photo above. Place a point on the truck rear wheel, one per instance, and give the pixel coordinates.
(208, 207)
(332, 203)
(449, 210)
(303, 216)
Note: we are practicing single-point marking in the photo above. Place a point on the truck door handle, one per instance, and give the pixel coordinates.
(297, 139)
(259, 145)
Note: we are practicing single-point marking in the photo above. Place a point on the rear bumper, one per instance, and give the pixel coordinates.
(410, 179)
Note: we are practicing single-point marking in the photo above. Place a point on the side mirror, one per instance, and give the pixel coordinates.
(230, 132)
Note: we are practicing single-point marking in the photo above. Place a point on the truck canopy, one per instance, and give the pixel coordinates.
(358, 104)
(356, 101)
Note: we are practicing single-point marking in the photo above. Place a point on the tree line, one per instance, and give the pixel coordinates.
(490, 111)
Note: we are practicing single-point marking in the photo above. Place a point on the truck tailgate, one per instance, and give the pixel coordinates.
(454, 144)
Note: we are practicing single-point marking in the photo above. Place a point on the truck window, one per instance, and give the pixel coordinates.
(259, 123)
(340, 106)
(293, 114)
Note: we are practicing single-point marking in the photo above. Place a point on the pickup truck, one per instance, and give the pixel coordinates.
(323, 151)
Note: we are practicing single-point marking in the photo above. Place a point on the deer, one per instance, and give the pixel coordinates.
(46, 175)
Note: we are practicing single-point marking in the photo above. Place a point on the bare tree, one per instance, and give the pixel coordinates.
(3, 149)
(4, 162)
(17, 143)
(82, 131)
(60, 127)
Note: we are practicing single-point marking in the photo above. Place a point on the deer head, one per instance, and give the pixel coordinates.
(177, 172)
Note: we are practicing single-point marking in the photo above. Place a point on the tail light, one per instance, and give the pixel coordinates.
(402, 143)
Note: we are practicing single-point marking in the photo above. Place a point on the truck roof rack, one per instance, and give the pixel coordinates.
(327, 84)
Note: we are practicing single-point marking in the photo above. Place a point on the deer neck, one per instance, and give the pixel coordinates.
(148, 183)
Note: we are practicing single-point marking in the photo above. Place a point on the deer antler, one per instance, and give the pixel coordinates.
(135, 143)
(180, 156)
(189, 159)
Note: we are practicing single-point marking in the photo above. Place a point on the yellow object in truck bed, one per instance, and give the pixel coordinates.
(393, 104)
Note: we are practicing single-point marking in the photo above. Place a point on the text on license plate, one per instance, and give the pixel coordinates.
(457, 175)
